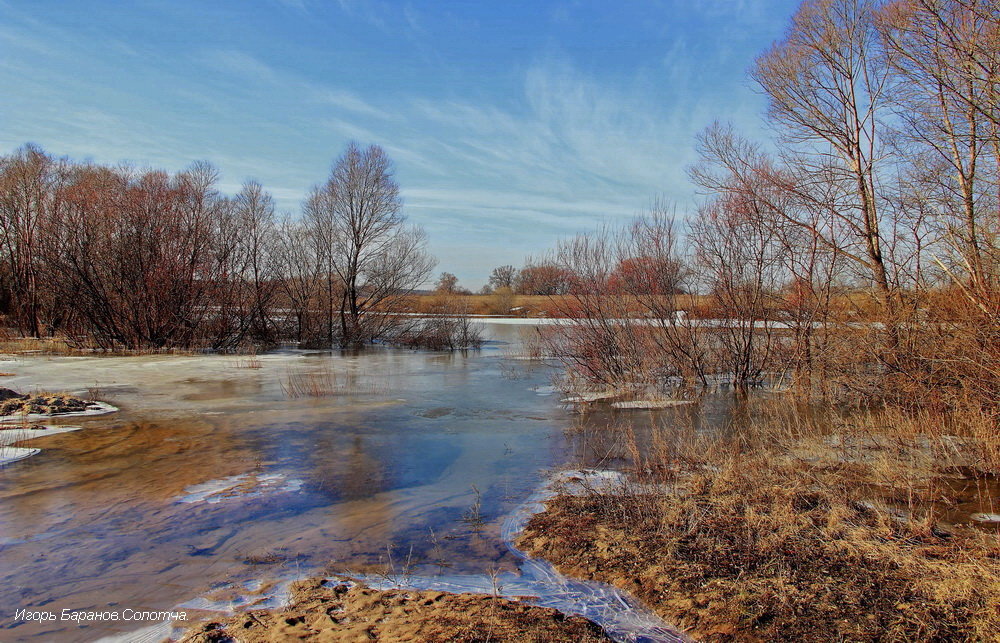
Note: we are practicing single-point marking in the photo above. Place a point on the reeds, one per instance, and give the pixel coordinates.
(325, 382)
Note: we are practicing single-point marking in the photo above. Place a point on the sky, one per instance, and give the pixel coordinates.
(511, 123)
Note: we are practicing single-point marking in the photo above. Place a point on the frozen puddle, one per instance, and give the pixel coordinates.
(247, 485)
(623, 617)
(9, 436)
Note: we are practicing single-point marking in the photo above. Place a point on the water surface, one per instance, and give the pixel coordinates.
(222, 472)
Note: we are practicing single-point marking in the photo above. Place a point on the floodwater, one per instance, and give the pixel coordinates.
(223, 472)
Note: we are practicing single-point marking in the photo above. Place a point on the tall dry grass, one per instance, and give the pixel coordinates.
(326, 382)
(798, 525)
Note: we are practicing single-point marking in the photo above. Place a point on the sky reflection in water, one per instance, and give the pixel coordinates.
(215, 472)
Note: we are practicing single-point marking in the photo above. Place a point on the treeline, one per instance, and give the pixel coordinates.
(856, 252)
(121, 258)
(536, 277)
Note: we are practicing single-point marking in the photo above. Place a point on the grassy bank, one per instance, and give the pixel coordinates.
(800, 530)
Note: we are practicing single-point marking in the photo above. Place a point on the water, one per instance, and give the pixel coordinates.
(222, 472)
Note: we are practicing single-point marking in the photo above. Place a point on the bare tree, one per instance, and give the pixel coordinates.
(299, 257)
(826, 87)
(503, 277)
(369, 255)
(134, 253)
(736, 249)
(623, 326)
(542, 278)
(447, 282)
(254, 215)
(945, 91)
(28, 181)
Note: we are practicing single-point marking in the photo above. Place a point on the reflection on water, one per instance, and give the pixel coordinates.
(212, 472)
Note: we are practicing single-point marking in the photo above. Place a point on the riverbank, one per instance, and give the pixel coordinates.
(865, 534)
(345, 611)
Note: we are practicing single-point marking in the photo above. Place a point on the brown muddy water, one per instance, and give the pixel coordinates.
(220, 474)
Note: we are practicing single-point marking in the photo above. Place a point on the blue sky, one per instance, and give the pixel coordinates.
(512, 123)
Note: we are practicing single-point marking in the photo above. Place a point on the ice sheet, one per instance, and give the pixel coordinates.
(621, 615)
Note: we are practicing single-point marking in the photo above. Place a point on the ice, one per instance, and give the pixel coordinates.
(241, 486)
(988, 518)
(650, 404)
(8, 436)
(622, 616)
(13, 454)
(590, 396)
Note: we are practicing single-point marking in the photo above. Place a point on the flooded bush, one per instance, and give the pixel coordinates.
(448, 326)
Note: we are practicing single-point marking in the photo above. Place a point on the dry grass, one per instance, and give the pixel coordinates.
(795, 530)
(43, 403)
(251, 362)
(34, 345)
(325, 382)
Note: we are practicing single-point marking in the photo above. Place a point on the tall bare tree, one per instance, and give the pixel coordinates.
(503, 277)
(370, 255)
(28, 181)
(254, 215)
(945, 93)
(826, 87)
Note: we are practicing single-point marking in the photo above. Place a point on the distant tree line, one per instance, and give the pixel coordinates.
(534, 278)
(121, 258)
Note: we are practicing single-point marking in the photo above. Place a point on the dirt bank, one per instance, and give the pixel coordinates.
(756, 543)
(328, 611)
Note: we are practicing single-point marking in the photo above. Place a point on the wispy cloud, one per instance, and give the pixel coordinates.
(570, 127)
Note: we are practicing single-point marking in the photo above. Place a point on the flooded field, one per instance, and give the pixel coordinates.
(224, 472)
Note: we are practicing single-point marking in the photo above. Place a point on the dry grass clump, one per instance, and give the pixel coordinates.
(34, 345)
(325, 382)
(13, 403)
(795, 534)
(60, 345)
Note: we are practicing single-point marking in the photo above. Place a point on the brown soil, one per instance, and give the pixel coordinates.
(322, 611)
(13, 403)
(751, 554)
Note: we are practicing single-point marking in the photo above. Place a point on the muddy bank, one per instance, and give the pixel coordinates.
(333, 611)
(768, 550)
